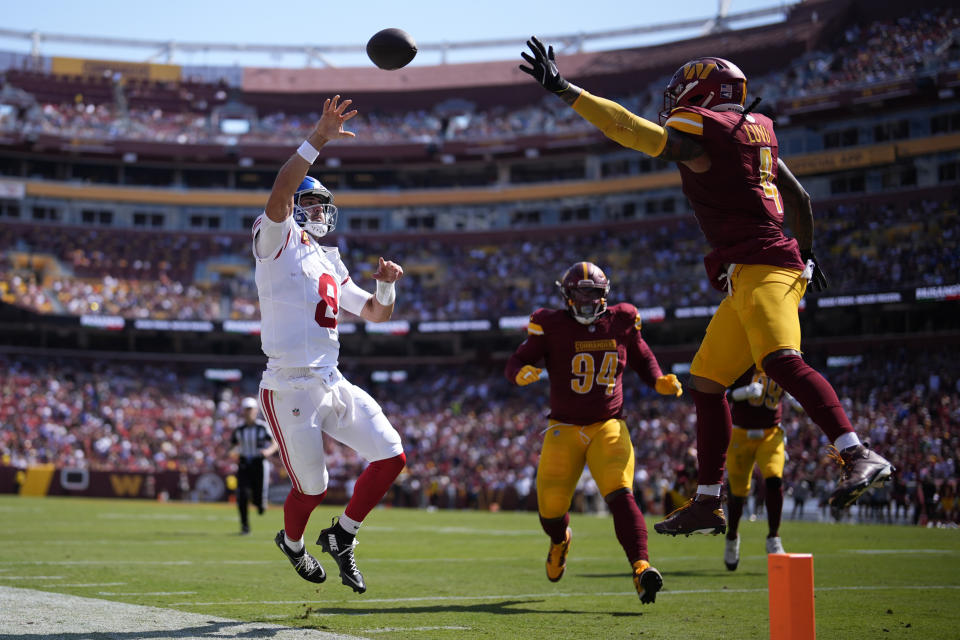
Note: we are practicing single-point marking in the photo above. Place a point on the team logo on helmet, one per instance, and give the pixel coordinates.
(584, 288)
(711, 83)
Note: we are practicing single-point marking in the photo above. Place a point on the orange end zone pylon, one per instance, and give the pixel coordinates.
(790, 577)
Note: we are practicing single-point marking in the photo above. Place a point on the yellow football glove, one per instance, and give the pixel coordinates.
(528, 374)
(668, 385)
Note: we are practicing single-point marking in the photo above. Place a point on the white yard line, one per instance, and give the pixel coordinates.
(146, 593)
(407, 560)
(53, 616)
(513, 596)
(393, 629)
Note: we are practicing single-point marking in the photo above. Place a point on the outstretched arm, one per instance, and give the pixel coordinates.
(616, 122)
(294, 170)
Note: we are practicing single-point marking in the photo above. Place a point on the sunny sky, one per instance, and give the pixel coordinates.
(298, 22)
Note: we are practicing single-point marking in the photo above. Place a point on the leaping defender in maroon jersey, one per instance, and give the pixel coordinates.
(585, 348)
(741, 192)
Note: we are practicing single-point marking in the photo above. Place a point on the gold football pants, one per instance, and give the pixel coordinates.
(760, 317)
(766, 451)
(604, 446)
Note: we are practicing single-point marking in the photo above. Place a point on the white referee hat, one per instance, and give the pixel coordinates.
(249, 403)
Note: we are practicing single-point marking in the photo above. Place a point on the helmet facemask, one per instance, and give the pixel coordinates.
(586, 302)
(315, 212)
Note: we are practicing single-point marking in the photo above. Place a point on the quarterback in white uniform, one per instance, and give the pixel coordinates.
(302, 286)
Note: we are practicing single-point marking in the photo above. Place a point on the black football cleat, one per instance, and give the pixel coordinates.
(647, 581)
(703, 514)
(861, 469)
(339, 544)
(305, 564)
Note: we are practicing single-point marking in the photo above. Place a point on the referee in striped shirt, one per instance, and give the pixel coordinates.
(252, 444)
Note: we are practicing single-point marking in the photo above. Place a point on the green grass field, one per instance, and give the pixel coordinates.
(468, 574)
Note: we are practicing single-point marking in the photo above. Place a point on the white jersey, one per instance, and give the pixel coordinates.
(299, 284)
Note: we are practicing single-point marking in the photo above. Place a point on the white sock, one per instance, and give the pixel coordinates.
(709, 490)
(294, 545)
(847, 440)
(349, 525)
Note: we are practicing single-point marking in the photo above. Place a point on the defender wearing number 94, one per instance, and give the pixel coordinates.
(302, 285)
(586, 347)
(741, 193)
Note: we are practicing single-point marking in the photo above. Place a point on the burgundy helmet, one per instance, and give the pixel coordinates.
(711, 83)
(584, 288)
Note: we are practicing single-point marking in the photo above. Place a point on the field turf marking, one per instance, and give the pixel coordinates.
(53, 616)
(393, 629)
(147, 593)
(511, 596)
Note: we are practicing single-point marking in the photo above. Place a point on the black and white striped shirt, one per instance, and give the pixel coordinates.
(252, 437)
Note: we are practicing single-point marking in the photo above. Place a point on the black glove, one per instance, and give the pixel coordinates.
(818, 281)
(543, 67)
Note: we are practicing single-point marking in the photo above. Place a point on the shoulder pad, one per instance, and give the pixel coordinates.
(686, 119)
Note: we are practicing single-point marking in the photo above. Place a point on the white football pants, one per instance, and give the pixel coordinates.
(301, 405)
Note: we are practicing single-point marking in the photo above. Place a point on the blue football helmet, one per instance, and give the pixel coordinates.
(319, 216)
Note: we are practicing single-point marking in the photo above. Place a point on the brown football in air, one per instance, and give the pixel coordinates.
(391, 48)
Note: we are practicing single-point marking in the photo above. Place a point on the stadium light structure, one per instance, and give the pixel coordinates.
(167, 50)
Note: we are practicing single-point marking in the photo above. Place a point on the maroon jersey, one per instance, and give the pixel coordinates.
(586, 362)
(757, 413)
(736, 201)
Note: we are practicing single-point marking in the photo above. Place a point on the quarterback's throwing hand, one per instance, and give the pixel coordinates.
(388, 271)
(543, 67)
(334, 115)
(668, 385)
(527, 375)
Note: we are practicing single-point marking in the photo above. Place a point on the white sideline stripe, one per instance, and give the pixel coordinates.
(66, 563)
(547, 595)
(660, 559)
(191, 517)
(54, 616)
(146, 593)
(91, 584)
(31, 577)
(393, 629)
(899, 551)
(471, 531)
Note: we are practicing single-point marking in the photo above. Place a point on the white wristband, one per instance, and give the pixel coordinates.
(308, 152)
(386, 293)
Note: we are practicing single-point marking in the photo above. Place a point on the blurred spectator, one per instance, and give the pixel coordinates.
(467, 430)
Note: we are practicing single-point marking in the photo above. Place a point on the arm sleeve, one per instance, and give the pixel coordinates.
(642, 360)
(353, 297)
(268, 235)
(620, 125)
(530, 351)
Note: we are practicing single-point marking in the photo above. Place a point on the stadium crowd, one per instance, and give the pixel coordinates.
(472, 440)
(872, 247)
(924, 42)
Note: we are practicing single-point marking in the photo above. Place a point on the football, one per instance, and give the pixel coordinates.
(391, 48)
